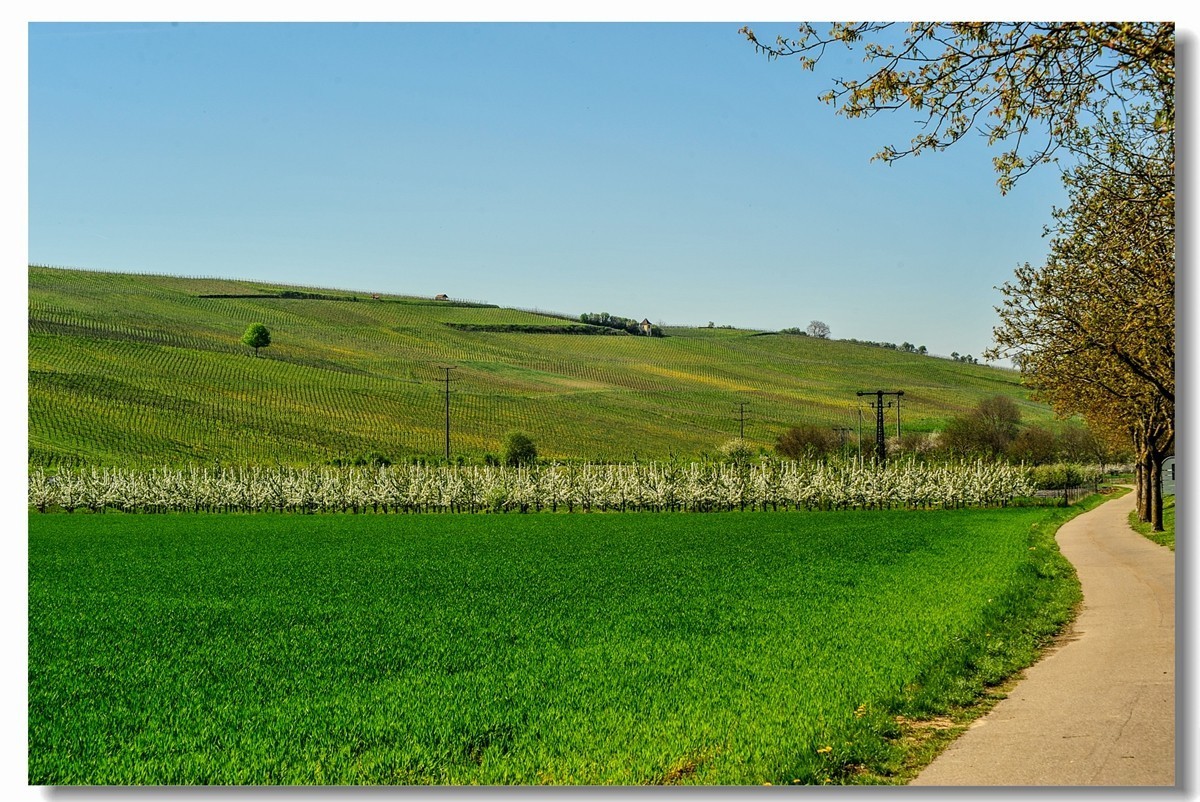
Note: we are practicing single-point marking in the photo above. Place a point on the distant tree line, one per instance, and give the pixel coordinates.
(614, 322)
(815, 330)
(534, 328)
(991, 430)
(906, 347)
(994, 429)
(291, 294)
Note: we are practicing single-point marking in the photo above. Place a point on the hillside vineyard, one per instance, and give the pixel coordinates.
(146, 370)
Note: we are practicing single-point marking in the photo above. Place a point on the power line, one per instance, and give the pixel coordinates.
(878, 406)
(741, 410)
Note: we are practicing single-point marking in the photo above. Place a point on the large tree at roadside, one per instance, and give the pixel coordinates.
(1028, 85)
(1093, 330)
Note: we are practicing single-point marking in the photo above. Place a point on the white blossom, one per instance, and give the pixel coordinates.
(652, 486)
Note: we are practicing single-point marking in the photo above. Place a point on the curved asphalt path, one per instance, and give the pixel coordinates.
(1099, 710)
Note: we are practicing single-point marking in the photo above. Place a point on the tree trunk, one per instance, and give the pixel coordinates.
(1156, 501)
(1154, 452)
(1152, 440)
(1142, 486)
(1141, 474)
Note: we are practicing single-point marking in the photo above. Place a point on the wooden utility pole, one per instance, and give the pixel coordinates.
(859, 430)
(447, 379)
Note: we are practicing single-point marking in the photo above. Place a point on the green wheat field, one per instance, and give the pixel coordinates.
(620, 648)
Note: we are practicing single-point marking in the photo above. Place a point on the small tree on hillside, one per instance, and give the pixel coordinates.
(818, 329)
(519, 449)
(256, 336)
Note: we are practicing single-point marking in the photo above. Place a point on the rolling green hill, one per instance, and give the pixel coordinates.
(149, 370)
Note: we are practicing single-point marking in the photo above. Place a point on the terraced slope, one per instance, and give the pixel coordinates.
(149, 370)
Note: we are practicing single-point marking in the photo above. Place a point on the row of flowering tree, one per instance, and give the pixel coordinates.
(694, 487)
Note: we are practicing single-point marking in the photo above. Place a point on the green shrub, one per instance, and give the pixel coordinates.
(737, 451)
(519, 449)
(807, 441)
(1060, 475)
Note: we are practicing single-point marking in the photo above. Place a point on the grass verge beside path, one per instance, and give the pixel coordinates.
(1058, 603)
(657, 648)
(1165, 537)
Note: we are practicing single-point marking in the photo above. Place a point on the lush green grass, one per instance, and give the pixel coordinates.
(606, 648)
(142, 370)
(1165, 537)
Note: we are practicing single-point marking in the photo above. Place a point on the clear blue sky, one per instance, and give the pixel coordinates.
(664, 171)
(647, 170)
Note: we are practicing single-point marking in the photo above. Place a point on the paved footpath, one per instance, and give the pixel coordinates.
(1100, 710)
